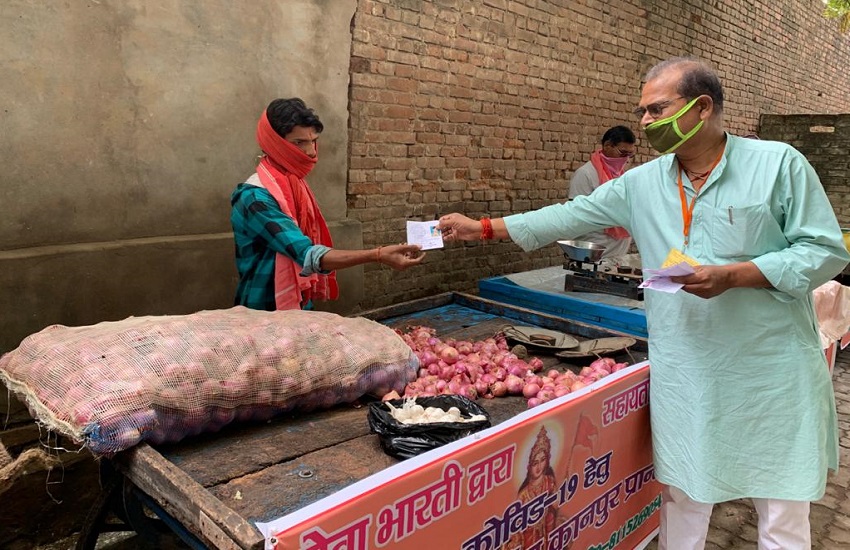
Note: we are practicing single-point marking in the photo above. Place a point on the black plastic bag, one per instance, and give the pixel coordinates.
(406, 440)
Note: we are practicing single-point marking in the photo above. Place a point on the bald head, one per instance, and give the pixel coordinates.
(694, 77)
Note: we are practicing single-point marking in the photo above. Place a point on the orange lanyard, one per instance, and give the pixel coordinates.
(688, 210)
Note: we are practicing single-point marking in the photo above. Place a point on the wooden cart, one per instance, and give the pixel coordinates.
(210, 489)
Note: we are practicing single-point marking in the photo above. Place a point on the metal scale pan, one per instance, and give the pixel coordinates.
(584, 274)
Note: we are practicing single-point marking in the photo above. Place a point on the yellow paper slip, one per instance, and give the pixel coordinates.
(676, 256)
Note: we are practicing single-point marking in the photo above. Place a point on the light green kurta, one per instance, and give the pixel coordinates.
(741, 401)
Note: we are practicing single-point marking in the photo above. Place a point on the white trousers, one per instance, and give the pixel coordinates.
(783, 524)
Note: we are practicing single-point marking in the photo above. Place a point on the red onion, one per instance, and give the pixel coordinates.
(447, 372)
(489, 347)
(530, 390)
(449, 355)
(514, 384)
(428, 357)
(499, 389)
(545, 395)
(499, 373)
(464, 348)
(518, 370)
(602, 362)
(474, 371)
(533, 402)
(568, 377)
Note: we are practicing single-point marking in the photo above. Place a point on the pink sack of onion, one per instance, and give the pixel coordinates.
(488, 369)
(159, 379)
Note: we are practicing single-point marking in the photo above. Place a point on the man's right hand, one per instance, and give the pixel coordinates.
(457, 227)
(401, 256)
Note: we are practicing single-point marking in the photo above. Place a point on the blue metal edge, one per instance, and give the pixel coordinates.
(628, 320)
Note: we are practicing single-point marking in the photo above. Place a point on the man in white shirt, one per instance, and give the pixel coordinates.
(606, 163)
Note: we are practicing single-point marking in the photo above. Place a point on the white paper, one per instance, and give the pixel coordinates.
(425, 234)
(659, 279)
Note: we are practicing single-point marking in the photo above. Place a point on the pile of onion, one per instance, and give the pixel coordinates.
(488, 369)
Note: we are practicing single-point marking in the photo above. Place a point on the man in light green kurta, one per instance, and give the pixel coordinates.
(741, 400)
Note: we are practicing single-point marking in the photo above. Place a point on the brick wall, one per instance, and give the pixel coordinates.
(825, 140)
(489, 106)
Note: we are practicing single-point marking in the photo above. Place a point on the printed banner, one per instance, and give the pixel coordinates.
(573, 473)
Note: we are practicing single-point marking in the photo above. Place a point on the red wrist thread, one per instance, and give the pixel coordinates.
(486, 229)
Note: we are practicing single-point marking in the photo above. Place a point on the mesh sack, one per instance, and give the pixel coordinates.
(160, 379)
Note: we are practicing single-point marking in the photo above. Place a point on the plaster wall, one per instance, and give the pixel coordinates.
(127, 124)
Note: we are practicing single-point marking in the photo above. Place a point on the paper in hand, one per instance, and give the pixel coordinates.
(659, 279)
(425, 234)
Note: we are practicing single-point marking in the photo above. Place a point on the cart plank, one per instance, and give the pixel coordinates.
(184, 499)
(243, 449)
(283, 488)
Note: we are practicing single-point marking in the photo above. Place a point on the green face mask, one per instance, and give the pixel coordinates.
(664, 135)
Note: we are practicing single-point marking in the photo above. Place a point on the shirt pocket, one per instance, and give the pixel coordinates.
(745, 232)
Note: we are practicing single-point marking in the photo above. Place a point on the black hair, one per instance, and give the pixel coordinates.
(618, 134)
(697, 79)
(286, 114)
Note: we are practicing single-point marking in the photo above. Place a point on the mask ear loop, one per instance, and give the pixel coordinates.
(674, 116)
(694, 130)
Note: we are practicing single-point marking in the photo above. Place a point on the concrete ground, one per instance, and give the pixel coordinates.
(733, 524)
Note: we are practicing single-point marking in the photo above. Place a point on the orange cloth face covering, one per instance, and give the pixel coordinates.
(282, 171)
(605, 174)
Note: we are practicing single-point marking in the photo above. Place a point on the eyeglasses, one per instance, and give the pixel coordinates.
(655, 110)
(625, 153)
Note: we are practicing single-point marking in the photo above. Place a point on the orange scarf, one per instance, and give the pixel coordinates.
(282, 171)
(605, 175)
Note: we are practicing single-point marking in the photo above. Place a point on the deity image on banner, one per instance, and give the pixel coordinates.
(539, 479)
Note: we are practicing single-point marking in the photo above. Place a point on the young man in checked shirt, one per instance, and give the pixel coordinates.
(284, 252)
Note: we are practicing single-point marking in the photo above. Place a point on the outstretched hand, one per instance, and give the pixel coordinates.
(401, 256)
(457, 227)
